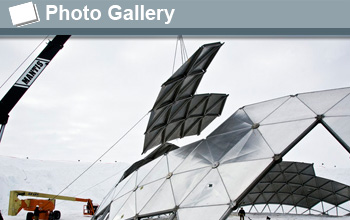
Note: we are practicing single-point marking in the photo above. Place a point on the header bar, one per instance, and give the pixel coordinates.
(174, 17)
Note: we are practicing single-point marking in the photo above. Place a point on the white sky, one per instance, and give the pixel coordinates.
(96, 89)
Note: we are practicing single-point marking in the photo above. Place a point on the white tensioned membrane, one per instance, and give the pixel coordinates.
(209, 178)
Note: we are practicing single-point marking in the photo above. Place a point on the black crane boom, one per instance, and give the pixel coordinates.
(28, 77)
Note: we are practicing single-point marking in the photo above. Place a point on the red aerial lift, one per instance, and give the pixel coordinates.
(46, 206)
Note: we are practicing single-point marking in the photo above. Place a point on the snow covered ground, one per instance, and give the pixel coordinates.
(53, 176)
(287, 217)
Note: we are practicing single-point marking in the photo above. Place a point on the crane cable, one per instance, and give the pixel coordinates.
(183, 57)
(183, 51)
(24, 61)
(96, 184)
(98, 159)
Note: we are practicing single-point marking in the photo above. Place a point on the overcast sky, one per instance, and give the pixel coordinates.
(96, 89)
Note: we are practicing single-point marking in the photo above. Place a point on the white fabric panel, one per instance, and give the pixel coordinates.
(321, 102)
(117, 205)
(145, 169)
(145, 192)
(258, 112)
(281, 135)
(210, 191)
(238, 121)
(250, 147)
(163, 199)
(221, 144)
(238, 176)
(128, 209)
(176, 157)
(293, 109)
(120, 186)
(184, 183)
(199, 158)
(340, 125)
(160, 170)
(129, 186)
(342, 108)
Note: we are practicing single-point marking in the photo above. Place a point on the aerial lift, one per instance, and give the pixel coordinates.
(28, 77)
(46, 206)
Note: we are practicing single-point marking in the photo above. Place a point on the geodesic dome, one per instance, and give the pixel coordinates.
(208, 179)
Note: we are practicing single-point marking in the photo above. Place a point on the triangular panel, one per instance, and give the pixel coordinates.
(199, 158)
(258, 112)
(117, 205)
(216, 103)
(145, 192)
(291, 110)
(184, 183)
(158, 118)
(280, 136)
(251, 147)
(176, 157)
(146, 169)
(222, 144)
(128, 209)
(159, 171)
(239, 120)
(192, 126)
(179, 110)
(206, 121)
(167, 94)
(342, 108)
(129, 186)
(235, 175)
(340, 125)
(210, 191)
(320, 102)
(173, 130)
(189, 86)
(163, 199)
(198, 105)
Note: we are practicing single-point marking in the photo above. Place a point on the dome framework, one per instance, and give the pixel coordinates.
(210, 178)
(295, 185)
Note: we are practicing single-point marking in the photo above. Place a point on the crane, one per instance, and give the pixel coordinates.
(46, 206)
(28, 77)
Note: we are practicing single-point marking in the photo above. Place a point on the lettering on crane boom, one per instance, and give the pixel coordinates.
(32, 72)
(33, 194)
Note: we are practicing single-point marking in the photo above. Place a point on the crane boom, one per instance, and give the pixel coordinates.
(46, 195)
(28, 77)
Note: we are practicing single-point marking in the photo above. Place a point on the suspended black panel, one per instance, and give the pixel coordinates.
(178, 85)
(183, 118)
(177, 112)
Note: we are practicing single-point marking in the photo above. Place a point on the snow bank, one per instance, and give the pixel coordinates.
(52, 177)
